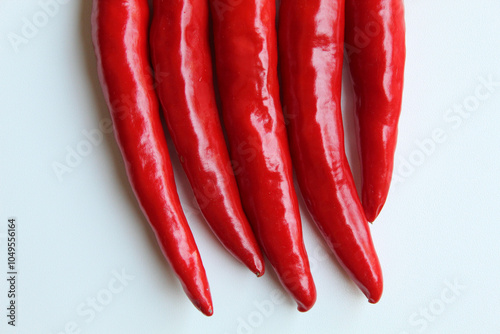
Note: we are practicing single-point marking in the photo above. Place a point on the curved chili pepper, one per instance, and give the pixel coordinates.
(311, 36)
(120, 30)
(246, 62)
(181, 53)
(375, 50)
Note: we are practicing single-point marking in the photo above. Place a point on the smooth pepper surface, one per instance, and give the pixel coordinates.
(311, 34)
(179, 41)
(375, 50)
(120, 36)
(246, 61)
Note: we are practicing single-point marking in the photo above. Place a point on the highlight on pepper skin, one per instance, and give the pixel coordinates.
(253, 209)
(311, 55)
(245, 46)
(377, 74)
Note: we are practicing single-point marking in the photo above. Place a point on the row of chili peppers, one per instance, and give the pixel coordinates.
(246, 191)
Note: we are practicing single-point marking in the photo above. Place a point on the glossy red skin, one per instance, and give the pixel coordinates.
(246, 61)
(311, 36)
(375, 49)
(181, 54)
(120, 29)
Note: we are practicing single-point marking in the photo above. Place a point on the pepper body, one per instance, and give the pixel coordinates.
(182, 61)
(311, 36)
(120, 36)
(375, 50)
(246, 61)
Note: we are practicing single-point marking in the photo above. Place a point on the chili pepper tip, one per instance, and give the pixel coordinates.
(372, 210)
(375, 295)
(207, 311)
(302, 308)
(258, 268)
(307, 303)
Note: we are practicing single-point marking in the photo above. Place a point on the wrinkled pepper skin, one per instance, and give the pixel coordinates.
(311, 34)
(246, 61)
(375, 50)
(181, 55)
(120, 36)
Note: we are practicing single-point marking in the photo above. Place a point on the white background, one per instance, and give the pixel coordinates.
(440, 226)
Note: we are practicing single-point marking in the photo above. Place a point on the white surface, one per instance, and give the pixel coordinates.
(441, 223)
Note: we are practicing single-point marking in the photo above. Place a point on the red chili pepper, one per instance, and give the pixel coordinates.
(375, 50)
(181, 53)
(311, 34)
(246, 62)
(120, 34)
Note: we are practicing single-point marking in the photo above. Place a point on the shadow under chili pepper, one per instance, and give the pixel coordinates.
(113, 151)
(349, 121)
